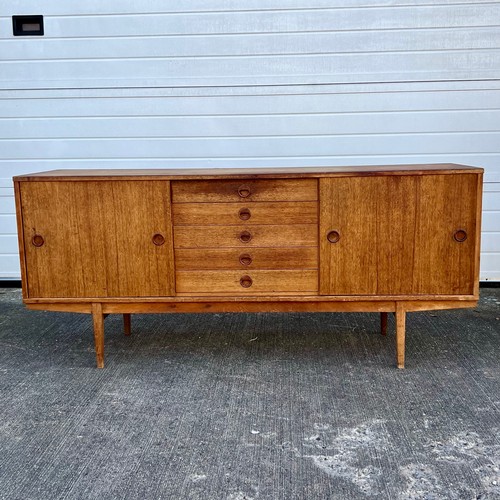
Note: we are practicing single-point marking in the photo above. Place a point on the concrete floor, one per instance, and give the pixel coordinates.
(262, 406)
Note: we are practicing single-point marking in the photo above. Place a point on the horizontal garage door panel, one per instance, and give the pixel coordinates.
(271, 125)
(253, 70)
(256, 44)
(300, 19)
(279, 101)
(56, 7)
(243, 146)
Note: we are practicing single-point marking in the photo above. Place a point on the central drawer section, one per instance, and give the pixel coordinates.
(246, 237)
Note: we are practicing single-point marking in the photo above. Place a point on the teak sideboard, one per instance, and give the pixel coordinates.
(386, 239)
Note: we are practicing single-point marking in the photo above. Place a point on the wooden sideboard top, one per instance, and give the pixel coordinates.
(235, 173)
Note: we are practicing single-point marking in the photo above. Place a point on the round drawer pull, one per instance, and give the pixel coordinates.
(460, 235)
(244, 214)
(245, 236)
(37, 240)
(245, 259)
(244, 191)
(246, 281)
(158, 239)
(333, 236)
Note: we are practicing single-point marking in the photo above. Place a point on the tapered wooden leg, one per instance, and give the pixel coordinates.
(127, 325)
(98, 318)
(400, 335)
(383, 323)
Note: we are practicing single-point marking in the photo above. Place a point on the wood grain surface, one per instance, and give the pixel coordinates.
(397, 235)
(97, 239)
(254, 258)
(263, 281)
(244, 173)
(443, 265)
(286, 212)
(244, 191)
(270, 235)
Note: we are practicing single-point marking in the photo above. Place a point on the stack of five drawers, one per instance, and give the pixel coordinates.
(246, 237)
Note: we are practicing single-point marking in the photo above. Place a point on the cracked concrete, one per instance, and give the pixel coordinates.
(250, 407)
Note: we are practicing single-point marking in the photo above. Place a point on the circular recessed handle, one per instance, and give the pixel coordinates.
(333, 236)
(245, 236)
(158, 239)
(245, 259)
(246, 281)
(244, 191)
(244, 214)
(37, 240)
(460, 235)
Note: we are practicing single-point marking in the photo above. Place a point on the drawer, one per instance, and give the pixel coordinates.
(253, 258)
(245, 190)
(247, 283)
(246, 236)
(300, 212)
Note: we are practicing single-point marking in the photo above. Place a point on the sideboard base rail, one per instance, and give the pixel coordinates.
(100, 310)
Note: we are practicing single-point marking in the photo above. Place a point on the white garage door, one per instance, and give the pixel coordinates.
(246, 83)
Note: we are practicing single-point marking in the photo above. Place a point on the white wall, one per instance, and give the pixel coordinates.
(251, 83)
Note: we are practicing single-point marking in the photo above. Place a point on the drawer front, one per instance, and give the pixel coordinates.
(244, 191)
(254, 258)
(301, 212)
(245, 236)
(247, 283)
